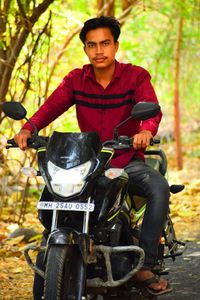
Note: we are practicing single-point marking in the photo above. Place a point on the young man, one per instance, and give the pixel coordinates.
(104, 93)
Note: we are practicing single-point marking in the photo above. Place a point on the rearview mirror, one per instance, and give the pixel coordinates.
(14, 110)
(145, 110)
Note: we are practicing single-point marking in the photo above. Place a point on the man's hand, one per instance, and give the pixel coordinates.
(142, 139)
(21, 138)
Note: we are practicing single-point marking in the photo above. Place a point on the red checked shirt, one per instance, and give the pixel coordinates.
(100, 109)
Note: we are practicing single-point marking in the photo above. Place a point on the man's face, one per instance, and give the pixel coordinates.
(100, 47)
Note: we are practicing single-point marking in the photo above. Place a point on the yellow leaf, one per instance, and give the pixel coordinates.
(15, 241)
(191, 239)
(18, 270)
(37, 237)
(187, 213)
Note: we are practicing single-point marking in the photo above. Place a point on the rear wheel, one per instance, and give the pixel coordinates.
(65, 273)
(170, 236)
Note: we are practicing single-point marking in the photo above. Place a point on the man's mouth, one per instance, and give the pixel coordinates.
(99, 59)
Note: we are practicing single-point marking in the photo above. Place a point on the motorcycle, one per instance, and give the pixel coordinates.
(92, 247)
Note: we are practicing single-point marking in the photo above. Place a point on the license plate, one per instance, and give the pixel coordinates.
(65, 206)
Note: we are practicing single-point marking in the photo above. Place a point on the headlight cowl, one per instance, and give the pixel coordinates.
(68, 182)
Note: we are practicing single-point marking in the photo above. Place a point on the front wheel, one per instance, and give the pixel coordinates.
(64, 274)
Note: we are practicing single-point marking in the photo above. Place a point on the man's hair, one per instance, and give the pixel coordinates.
(103, 21)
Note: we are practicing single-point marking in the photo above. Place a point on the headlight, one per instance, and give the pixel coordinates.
(68, 182)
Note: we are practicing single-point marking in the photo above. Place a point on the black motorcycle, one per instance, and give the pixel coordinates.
(92, 224)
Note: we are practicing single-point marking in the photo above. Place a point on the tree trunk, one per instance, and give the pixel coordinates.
(177, 130)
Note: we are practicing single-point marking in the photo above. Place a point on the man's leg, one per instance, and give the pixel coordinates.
(153, 186)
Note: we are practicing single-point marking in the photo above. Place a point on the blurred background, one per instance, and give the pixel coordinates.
(39, 45)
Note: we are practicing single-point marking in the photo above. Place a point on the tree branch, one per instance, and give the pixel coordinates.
(10, 63)
(60, 54)
(3, 21)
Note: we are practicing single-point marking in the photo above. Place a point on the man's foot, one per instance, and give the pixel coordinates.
(151, 282)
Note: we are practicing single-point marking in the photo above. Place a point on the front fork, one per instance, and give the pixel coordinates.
(62, 236)
(85, 220)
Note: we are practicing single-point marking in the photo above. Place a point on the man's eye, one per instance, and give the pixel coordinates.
(106, 43)
(91, 45)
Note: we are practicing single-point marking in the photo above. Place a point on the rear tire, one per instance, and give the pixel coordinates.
(64, 279)
(170, 234)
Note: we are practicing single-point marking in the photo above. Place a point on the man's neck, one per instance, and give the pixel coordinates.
(104, 76)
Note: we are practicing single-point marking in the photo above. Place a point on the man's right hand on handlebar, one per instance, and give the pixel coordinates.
(21, 138)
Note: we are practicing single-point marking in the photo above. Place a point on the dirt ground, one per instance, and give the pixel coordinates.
(184, 274)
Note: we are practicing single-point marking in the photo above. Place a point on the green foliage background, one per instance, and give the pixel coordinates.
(148, 39)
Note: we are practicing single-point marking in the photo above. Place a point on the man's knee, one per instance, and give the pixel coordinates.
(160, 188)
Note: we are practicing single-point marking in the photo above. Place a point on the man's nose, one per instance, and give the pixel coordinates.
(99, 49)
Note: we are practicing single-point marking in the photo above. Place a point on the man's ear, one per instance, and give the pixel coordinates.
(117, 45)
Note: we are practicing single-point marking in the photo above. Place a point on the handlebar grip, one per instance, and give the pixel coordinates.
(124, 142)
(11, 144)
(154, 141)
(11, 141)
(33, 142)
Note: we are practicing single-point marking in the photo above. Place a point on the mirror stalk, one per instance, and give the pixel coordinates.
(115, 135)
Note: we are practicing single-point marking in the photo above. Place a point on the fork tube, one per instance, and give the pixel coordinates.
(54, 220)
(86, 219)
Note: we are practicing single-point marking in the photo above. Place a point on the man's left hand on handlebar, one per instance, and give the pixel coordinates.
(142, 139)
(21, 138)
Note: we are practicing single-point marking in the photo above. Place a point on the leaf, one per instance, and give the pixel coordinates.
(16, 253)
(191, 239)
(37, 237)
(188, 213)
(4, 276)
(18, 270)
(15, 241)
(3, 252)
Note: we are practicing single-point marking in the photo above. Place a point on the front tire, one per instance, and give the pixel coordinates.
(65, 273)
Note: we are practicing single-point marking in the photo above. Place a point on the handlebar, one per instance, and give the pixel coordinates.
(34, 142)
(121, 143)
(124, 142)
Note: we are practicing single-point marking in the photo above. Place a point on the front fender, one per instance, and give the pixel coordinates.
(69, 236)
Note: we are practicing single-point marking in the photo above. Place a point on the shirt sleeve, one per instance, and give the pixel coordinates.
(55, 105)
(145, 92)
